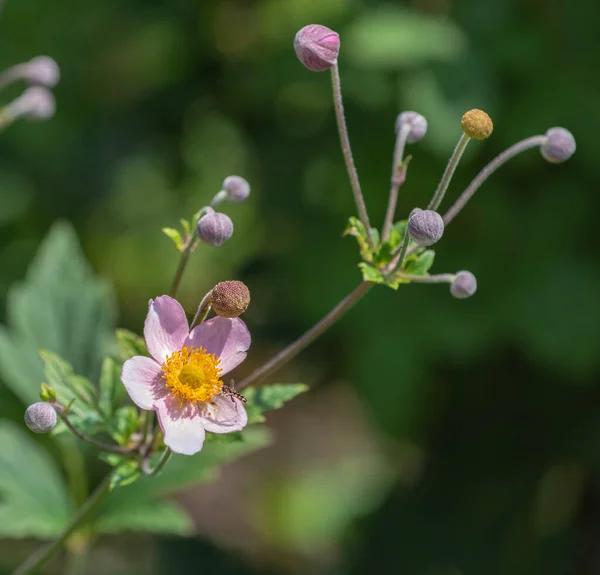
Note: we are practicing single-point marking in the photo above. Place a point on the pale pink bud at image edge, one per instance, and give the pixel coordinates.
(317, 47)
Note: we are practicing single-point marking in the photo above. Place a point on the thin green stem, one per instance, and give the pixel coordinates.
(219, 197)
(39, 558)
(398, 177)
(401, 252)
(183, 261)
(347, 151)
(308, 337)
(433, 279)
(164, 458)
(448, 173)
(202, 310)
(501, 159)
(98, 444)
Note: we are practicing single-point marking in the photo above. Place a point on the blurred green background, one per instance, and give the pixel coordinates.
(441, 437)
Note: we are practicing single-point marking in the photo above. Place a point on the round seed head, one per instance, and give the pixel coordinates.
(559, 147)
(238, 189)
(477, 124)
(317, 47)
(465, 285)
(42, 70)
(417, 123)
(40, 417)
(36, 103)
(425, 227)
(230, 299)
(215, 228)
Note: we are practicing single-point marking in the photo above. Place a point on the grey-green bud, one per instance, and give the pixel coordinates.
(214, 228)
(465, 285)
(417, 123)
(237, 188)
(425, 227)
(559, 147)
(40, 417)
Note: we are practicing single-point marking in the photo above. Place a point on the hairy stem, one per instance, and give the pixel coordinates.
(39, 558)
(346, 150)
(183, 261)
(448, 173)
(159, 466)
(501, 159)
(433, 279)
(202, 310)
(398, 176)
(308, 337)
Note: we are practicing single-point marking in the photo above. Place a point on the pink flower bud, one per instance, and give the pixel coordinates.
(42, 70)
(317, 47)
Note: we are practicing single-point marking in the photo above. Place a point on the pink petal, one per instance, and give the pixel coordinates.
(227, 338)
(223, 415)
(142, 378)
(166, 327)
(182, 427)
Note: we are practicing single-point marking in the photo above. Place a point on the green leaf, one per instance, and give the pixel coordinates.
(111, 389)
(126, 473)
(130, 344)
(356, 228)
(175, 236)
(33, 498)
(66, 384)
(125, 422)
(267, 397)
(60, 307)
(420, 264)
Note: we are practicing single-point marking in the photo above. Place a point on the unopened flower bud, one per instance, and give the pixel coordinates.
(417, 123)
(317, 47)
(425, 227)
(36, 103)
(477, 124)
(42, 70)
(40, 417)
(237, 188)
(559, 147)
(47, 393)
(230, 299)
(465, 285)
(215, 228)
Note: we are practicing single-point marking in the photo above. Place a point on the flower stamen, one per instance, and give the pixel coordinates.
(193, 375)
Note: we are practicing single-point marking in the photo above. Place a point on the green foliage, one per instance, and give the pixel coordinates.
(174, 235)
(419, 264)
(126, 421)
(130, 344)
(111, 390)
(33, 498)
(267, 397)
(60, 307)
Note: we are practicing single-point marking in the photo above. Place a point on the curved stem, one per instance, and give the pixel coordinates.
(509, 153)
(448, 173)
(202, 310)
(398, 177)
(164, 458)
(433, 279)
(102, 446)
(183, 261)
(37, 559)
(346, 150)
(308, 337)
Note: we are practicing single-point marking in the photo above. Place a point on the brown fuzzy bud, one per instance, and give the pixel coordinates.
(238, 189)
(425, 227)
(477, 124)
(559, 147)
(317, 47)
(465, 285)
(214, 228)
(40, 417)
(230, 299)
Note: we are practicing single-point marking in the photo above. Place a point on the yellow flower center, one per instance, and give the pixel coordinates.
(192, 374)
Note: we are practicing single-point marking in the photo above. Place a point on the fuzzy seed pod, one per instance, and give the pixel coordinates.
(465, 285)
(418, 125)
(477, 124)
(559, 147)
(230, 299)
(43, 71)
(40, 417)
(317, 47)
(215, 228)
(425, 227)
(238, 189)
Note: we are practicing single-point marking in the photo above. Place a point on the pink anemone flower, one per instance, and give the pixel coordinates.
(182, 380)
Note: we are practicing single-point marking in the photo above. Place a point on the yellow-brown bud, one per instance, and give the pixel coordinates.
(230, 299)
(477, 124)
